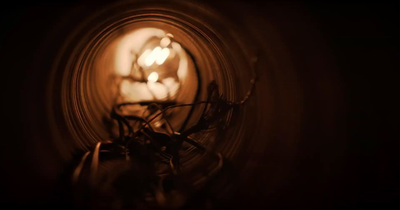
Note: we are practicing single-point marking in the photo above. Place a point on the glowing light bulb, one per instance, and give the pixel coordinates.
(153, 65)
(153, 77)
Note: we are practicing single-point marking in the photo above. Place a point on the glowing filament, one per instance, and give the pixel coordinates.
(158, 55)
(153, 77)
(163, 56)
(153, 56)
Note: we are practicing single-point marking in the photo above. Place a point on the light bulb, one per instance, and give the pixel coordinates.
(156, 62)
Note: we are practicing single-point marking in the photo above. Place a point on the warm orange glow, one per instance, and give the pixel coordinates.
(158, 90)
(142, 58)
(171, 85)
(183, 60)
(158, 55)
(153, 77)
(129, 46)
(152, 57)
(162, 56)
(139, 54)
(165, 42)
(125, 87)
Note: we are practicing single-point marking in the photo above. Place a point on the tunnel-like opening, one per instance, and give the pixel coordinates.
(139, 52)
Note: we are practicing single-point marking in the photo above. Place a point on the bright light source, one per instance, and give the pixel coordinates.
(153, 77)
(162, 56)
(158, 55)
(153, 56)
(142, 58)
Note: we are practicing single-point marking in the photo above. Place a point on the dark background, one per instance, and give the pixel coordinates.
(362, 42)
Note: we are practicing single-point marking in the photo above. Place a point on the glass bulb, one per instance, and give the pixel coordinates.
(156, 62)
